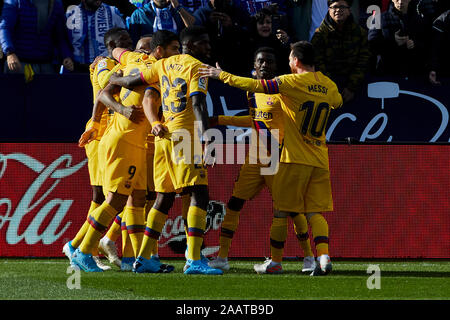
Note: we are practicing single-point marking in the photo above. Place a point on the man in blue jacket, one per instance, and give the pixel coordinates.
(32, 35)
(159, 15)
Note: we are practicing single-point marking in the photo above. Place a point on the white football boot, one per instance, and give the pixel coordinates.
(323, 266)
(268, 267)
(309, 264)
(109, 249)
(219, 263)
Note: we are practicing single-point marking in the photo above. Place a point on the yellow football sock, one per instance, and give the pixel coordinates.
(155, 223)
(196, 218)
(185, 204)
(148, 206)
(127, 247)
(115, 230)
(82, 232)
(229, 226)
(135, 226)
(278, 235)
(99, 221)
(319, 228)
(301, 230)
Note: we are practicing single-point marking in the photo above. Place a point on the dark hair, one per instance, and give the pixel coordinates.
(111, 33)
(162, 38)
(192, 33)
(265, 50)
(261, 14)
(303, 51)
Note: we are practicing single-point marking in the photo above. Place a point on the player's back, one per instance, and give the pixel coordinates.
(307, 100)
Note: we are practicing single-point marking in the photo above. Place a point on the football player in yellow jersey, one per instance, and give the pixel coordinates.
(123, 150)
(179, 170)
(302, 183)
(265, 113)
(100, 68)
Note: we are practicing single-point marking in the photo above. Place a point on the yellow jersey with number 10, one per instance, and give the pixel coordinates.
(179, 80)
(307, 100)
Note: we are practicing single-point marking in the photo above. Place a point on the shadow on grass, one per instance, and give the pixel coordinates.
(408, 274)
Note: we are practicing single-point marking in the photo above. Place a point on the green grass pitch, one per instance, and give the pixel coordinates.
(48, 279)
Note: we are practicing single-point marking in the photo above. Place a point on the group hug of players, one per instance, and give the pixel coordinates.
(135, 175)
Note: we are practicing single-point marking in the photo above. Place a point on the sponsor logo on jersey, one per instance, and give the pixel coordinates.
(202, 82)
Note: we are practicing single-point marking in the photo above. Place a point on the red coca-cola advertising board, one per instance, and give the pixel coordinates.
(390, 201)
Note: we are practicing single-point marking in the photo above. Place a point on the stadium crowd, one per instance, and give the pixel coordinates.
(352, 39)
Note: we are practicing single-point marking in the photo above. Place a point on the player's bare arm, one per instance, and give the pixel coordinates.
(247, 84)
(128, 82)
(151, 104)
(201, 114)
(132, 113)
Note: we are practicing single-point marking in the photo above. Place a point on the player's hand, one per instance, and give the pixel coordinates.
(89, 135)
(13, 63)
(432, 77)
(209, 71)
(213, 121)
(114, 78)
(209, 155)
(134, 113)
(159, 130)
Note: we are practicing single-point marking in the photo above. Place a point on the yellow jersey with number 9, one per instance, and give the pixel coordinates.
(179, 80)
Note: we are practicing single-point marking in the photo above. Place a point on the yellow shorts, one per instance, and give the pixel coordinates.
(95, 172)
(173, 176)
(302, 188)
(250, 181)
(125, 166)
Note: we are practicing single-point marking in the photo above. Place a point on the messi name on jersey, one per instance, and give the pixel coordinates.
(318, 88)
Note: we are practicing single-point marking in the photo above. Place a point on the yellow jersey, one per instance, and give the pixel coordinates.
(135, 134)
(99, 78)
(179, 80)
(306, 101)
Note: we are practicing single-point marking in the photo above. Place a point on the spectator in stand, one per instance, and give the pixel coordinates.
(341, 47)
(190, 5)
(305, 17)
(87, 24)
(159, 15)
(400, 43)
(262, 35)
(254, 6)
(32, 37)
(440, 49)
(227, 26)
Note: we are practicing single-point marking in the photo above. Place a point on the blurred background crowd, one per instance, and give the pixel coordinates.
(352, 39)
